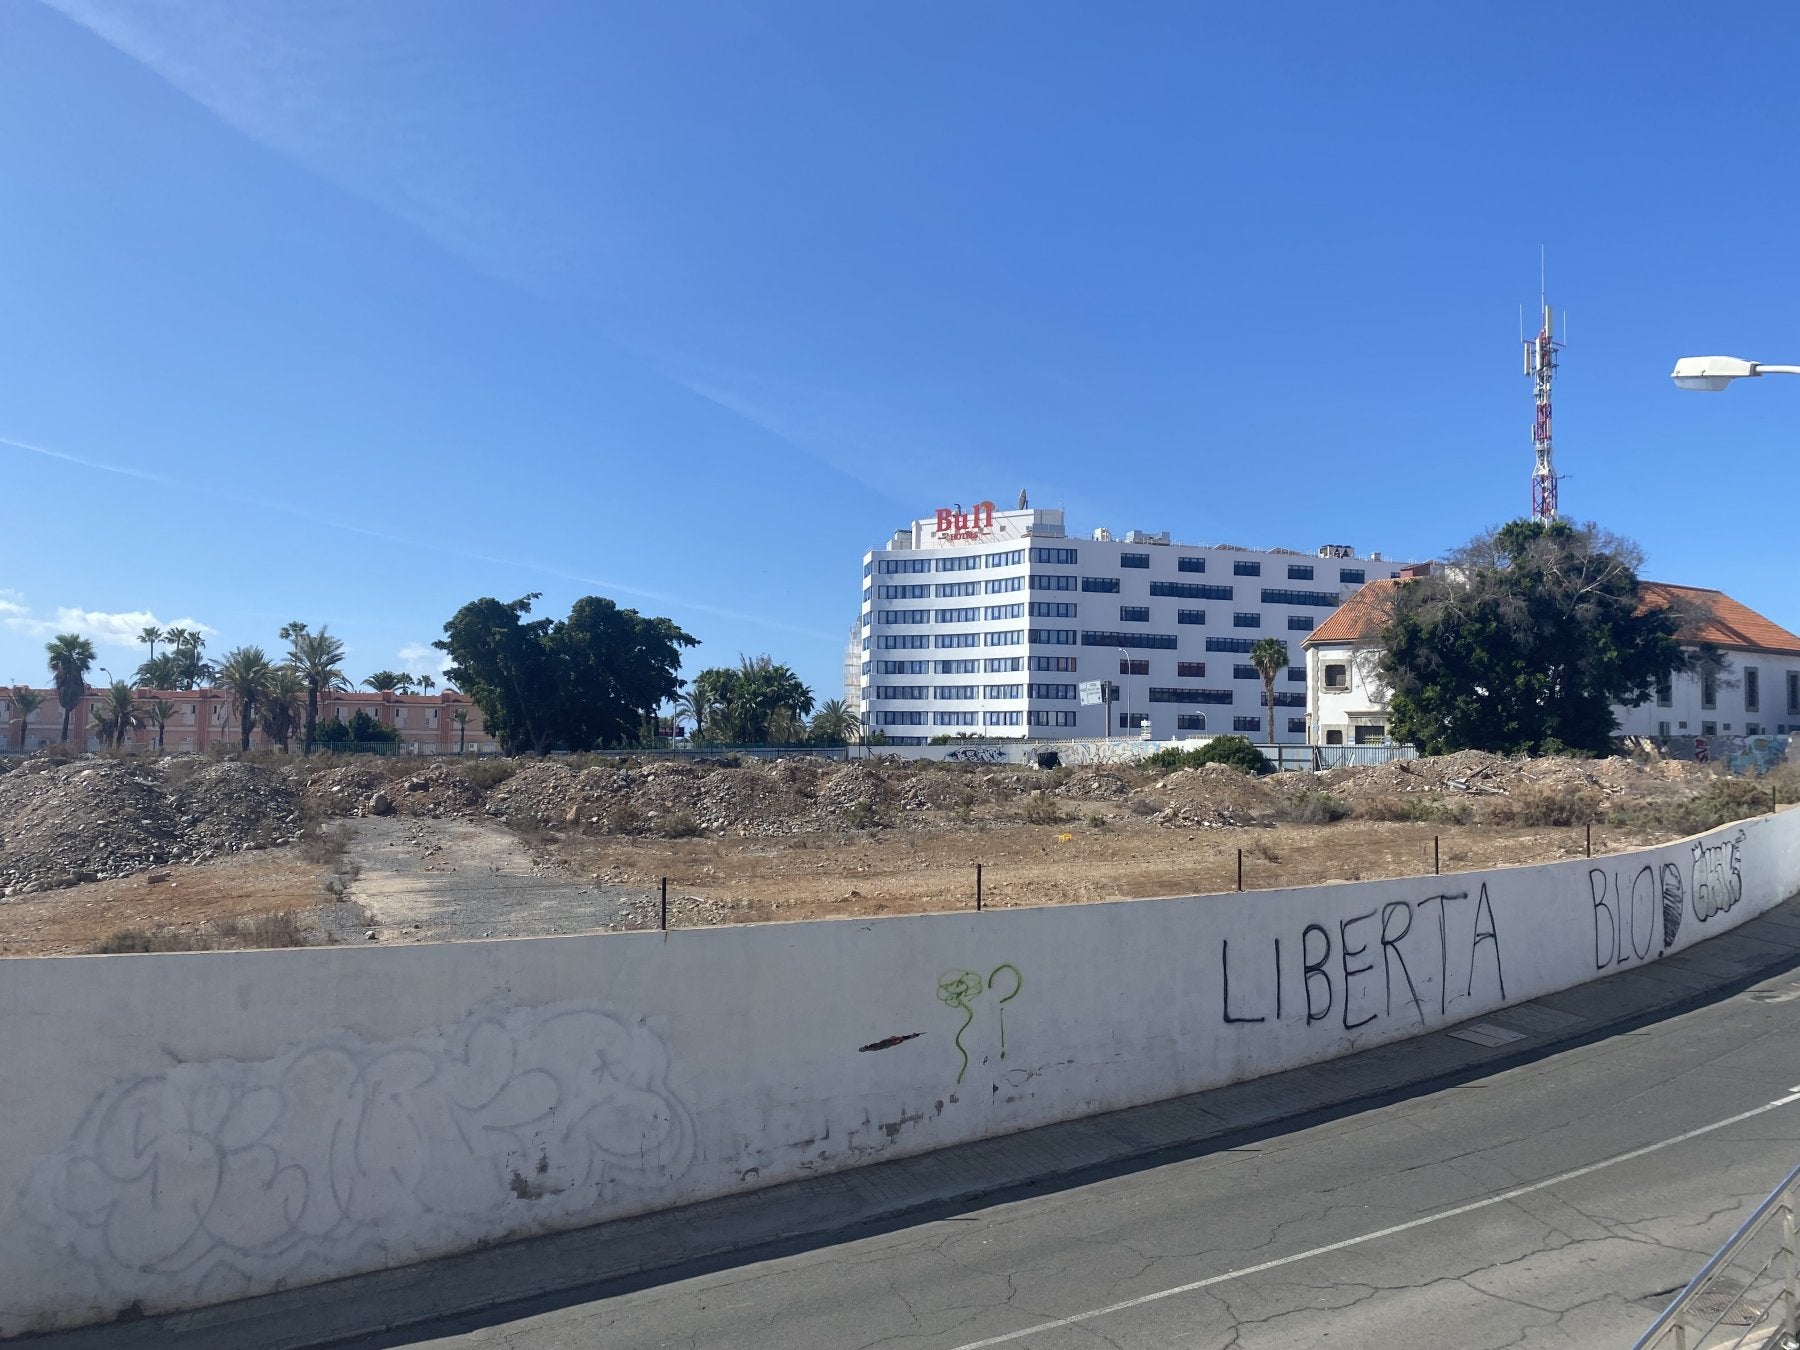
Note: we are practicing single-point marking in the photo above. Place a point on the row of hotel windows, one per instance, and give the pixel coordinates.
(945, 590)
(993, 665)
(1061, 637)
(950, 693)
(1068, 557)
(960, 719)
(1132, 721)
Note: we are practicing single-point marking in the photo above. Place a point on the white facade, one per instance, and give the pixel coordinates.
(984, 622)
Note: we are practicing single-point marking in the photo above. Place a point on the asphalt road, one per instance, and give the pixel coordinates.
(1494, 1213)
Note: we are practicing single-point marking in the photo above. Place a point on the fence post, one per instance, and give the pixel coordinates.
(977, 887)
(1435, 869)
(1590, 839)
(1240, 869)
(665, 904)
(1787, 1250)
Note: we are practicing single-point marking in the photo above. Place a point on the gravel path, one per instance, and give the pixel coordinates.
(448, 881)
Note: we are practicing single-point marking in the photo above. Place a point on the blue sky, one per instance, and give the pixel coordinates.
(352, 312)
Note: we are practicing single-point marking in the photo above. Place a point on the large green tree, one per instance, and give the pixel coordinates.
(1524, 643)
(757, 702)
(581, 683)
(1270, 657)
(69, 656)
(25, 701)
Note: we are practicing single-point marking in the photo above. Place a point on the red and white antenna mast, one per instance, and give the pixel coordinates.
(1540, 366)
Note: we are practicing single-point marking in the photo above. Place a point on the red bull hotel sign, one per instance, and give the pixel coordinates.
(955, 525)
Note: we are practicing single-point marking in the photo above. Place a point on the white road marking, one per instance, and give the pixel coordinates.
(1379, 1233)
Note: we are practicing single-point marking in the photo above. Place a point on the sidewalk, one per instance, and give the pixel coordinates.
(815, 1212)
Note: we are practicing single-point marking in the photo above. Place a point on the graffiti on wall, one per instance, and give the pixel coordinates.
(1635, 918)
(1718, 876)
(1751, 755)
(225, 1176)
(958, 990)
(1398, 958)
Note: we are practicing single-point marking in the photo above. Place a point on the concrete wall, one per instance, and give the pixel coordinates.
(181, 1129)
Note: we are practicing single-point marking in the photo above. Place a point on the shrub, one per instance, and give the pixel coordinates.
(280, 929)
(1097, 821)
(678, 825)
(1232, 751)
(1539, 805)
(324, 846)
(862, 816)
(1042, 810)
(1316, 808)
(624, 818)
(488, 773)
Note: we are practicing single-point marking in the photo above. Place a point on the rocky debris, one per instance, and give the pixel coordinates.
(380, 804)
(1213, 797)
(93, 819)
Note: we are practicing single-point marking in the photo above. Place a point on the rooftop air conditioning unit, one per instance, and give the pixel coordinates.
(1146, 537)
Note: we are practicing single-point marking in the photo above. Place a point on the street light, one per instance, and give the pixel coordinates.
(1713, 373)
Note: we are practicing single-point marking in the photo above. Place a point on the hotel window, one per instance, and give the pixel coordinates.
(1709, 728)
(961, 666)
(902, 667)
(1131, 721)
(1300, 572)
(914, 592)
(1045, 717)
(1245, 673)
(1662, 730)
(948, 589)
(1709, 690)
(899, 692)
(1002, 719)
(1190, 722)
(1134, 560)
(951, 693)
(953, 719)
(1665, 692)
(1190, 564)
(968, 564)
(1300, 623)
(1012, 611)
(945, 641)
(1002, 690)
(1752, 689)
(1063, 663)
(1190, 590)
(996, 665)
(1297, 725)
(1354, 576)
(1066, 692)
(1130, 667)
(1246, 724)
(898, 616)
(1054, 555)
(1190, 616)
(1134, 614)
(1296, 675)
(1061, 581)
(1189, 695)
(1108, 584)
(1012, 637)
(1052, 609)
(1190, 670)
(1280, 595)
(1133, 641)
(1001, 585)
(1241, 619)
(1053, 637)
(1243, 567)
(891, 565)
(1225, 644)
(970, 614)
(1011, 558)
(1371, 733)
(1283, 700)
(900, 719)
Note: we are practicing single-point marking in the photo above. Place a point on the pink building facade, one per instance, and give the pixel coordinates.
(203, 717)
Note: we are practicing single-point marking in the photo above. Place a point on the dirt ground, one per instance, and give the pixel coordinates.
(914, 872)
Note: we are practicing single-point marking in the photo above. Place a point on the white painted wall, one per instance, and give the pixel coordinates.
(182, 1129)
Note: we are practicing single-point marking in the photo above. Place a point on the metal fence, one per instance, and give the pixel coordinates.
(1745, 1295)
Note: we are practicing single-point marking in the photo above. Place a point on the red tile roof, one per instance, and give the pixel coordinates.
(1711, 616)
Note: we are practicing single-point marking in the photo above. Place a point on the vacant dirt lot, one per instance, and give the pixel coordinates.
(179, 852)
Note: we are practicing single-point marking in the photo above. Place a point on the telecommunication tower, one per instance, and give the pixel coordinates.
(1540, 368)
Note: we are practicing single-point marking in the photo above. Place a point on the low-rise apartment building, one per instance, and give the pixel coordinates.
(426, 723)
(1756, 693)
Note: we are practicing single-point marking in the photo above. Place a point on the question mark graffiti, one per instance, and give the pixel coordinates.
(1018, 983)
(955, 990)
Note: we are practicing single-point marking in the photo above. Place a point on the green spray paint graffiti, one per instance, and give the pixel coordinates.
(960, 988)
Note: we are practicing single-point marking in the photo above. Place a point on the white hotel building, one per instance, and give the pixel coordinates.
(985, 622)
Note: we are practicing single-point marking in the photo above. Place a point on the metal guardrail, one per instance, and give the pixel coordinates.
(1753, 1302)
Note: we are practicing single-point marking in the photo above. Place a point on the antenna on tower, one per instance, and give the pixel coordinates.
(1540, 368)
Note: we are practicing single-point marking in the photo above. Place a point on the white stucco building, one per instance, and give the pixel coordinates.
(1758, 694)
(984, 622)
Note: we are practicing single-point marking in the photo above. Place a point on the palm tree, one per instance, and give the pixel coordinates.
(319, 658)
(186, 669)
(834, 723)
(116, 716)
(69, 655)
(426, 684)
(696, 706)
(282, 704)
(25, 701)
(461, 718)
(161, 712)
(388, 681)
(246, 674)
(151, 634)
(1270, 657)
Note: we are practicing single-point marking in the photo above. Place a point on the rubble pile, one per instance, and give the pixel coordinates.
(62, 824)
(1213, 797)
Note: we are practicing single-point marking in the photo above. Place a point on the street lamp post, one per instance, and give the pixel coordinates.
(1125, 678)
(1713, 373)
